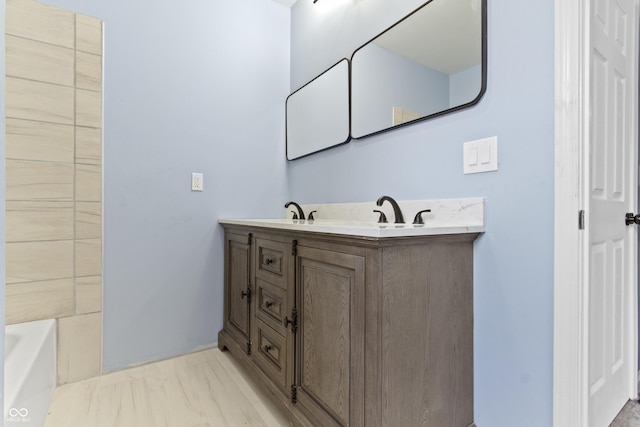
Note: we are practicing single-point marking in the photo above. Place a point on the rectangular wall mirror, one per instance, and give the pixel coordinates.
(317, 114)
(430, 63)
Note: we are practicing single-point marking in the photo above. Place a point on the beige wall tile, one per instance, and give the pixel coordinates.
(88, 183)
(88, 257)
(37, 261)
(88, 71)
(46, 102)
(88, 108)
(29, 140)
(88, 220)
(88, 34)
(79, 347)
(38, 21)
(26, 302)
(34, 60)
(88, 145)
(29, 221)
(54, 178)
(30, 180)
(88, 294)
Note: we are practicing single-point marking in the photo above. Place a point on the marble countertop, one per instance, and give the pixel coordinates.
(358, 228)
(447, 216)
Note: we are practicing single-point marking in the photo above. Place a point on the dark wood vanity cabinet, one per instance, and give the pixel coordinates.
(350, 331)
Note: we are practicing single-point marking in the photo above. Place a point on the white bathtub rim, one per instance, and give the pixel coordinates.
(33, 337)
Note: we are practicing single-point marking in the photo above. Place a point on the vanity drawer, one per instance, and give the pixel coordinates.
(271, 305)
(272, 260)
(270, 353)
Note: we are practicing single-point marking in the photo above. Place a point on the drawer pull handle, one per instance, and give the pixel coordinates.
(268, 261)
(246, 293)
(268, 304)
(266, 348)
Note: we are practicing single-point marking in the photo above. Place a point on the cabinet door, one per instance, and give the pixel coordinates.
(330, 337)
(238, 286)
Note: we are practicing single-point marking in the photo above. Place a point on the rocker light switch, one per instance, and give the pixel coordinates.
(480, 155)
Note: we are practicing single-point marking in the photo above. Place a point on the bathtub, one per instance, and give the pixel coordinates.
(29, 371)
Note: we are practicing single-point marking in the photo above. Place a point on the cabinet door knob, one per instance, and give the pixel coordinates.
(630, 218)
(268, 261)
(268, 304)
(266, 348)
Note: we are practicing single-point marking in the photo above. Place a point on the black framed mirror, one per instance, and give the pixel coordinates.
(432, 62)
(317, 114)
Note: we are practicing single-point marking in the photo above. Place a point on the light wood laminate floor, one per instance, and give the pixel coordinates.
(204, 389)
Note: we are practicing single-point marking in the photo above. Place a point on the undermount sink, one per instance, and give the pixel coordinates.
(447, 216)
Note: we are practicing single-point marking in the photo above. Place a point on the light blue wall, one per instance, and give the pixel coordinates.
(513, 278)
(194, 86)
(382, 79)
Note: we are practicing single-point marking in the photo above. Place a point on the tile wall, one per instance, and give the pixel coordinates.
(54, 178)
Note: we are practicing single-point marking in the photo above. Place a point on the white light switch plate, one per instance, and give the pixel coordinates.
(480, 155)
(197, 181)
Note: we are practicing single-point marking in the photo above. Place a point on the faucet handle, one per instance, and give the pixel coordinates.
(383, 218)
(310, 217)
(295, 215)
(418, 218)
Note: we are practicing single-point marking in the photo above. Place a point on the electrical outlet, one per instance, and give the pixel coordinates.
(197, 181)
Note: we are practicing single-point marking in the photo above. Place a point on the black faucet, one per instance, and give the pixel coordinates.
(382, 219)
(300, 211)
(417, 220)
(396, 208)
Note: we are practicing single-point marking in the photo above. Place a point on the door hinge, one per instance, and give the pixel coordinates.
(294, 393)
(247, 294)
(581, 219)
(249, 237)
(294, 248)
(293, 321)
(248, 348)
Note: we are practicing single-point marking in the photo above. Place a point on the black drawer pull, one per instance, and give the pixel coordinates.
(268, 304)
(266, 348)
(268, 261)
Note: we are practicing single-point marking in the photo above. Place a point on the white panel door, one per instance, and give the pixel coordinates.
(613, 177)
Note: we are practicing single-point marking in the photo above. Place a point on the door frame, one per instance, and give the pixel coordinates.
(572, 76)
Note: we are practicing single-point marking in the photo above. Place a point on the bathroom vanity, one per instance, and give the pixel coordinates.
(354, 324)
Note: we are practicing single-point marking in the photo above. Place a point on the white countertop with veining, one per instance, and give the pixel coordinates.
(447, 216)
